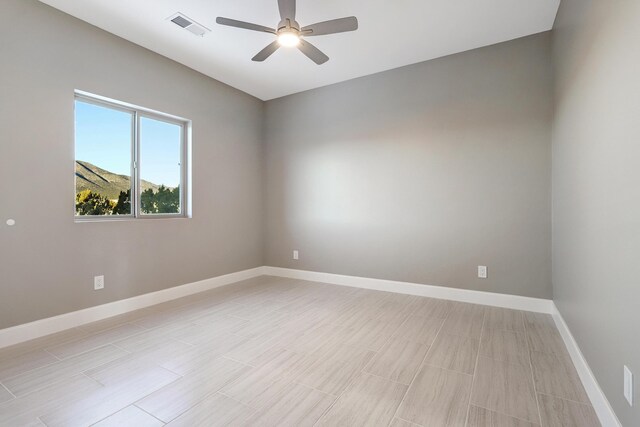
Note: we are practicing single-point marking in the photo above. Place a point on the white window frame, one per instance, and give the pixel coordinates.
(185, 158)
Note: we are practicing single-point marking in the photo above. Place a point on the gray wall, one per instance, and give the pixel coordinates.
(418, 174)
(596, 188)
(421, 173)
(47, 262)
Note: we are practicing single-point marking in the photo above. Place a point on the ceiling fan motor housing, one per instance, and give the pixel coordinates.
(289, 25)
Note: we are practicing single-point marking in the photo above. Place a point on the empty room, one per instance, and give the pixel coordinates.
(416, 213)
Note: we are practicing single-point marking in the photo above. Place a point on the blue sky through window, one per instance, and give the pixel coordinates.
(104, 138)
(160, 152)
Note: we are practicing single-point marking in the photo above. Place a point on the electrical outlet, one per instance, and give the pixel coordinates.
(98, 283)
(482, 271)
(295, 255)
(628, 385)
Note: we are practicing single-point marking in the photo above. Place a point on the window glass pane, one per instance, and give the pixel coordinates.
(160, 168)
(103, 160)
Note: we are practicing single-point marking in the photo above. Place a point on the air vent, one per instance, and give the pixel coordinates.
(183, 22)
(188, 24)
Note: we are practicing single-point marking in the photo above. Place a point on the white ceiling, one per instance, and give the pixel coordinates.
(392, 33)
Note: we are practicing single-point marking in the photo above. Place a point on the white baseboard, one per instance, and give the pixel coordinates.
(464, 295)
(40, 328)
(601, 405)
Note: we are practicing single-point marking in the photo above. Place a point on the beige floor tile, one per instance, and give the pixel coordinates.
(256, 309)
(399, 360)
(214, 411)
(296, 405)
(263, 324)
(506, 388)
(121, 391)
(203, 334)
(555, 375)
(530, 318)
(164, 354)
(504, 319)
(453, 352)
(90, 342)
(213, 315)
(195, 358)
(430, 307)
(545, 340)
(316, 337)
(369, 400)
(130, 416)
(465, 307)
(333, 368)
(24, 410)
(301, 304)
(314, 317)
(360, 314)
(480, 417)
(41, 343)
(465, 320)
(542, 334)
(175, 398)
(260, 384)
(370, 334)
(506, 345)
(251, 295)
(397, 422)
(298, 292)
(152, 338)
(13, 365)
(397, 307)
(252, 350)
(178, 329)
(437, 397)
(304, 344)
(556, 412)
(127, 369)
(60, 371)
(358, 310)
(164, 351)
(167, 317)
(4, 394)
(419, 329)
(112, 322)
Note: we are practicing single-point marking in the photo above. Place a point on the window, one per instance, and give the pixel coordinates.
(130, 161)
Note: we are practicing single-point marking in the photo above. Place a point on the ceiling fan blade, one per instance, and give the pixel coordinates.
(331, 27)
(244, 25)
(266, 52)
(287, 9)
(312, 52)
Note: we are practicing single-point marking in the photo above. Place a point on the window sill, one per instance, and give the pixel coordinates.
(80, 220)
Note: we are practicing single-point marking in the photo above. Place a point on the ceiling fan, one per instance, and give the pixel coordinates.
(291, 34)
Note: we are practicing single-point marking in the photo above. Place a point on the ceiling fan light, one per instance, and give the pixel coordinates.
(288, 39)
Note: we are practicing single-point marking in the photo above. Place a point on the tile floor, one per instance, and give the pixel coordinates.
(282, 352)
